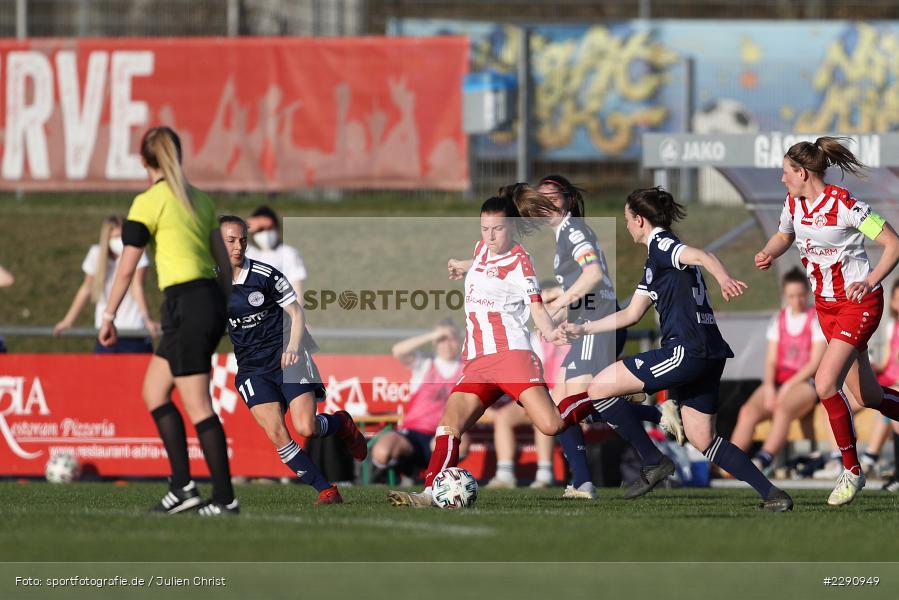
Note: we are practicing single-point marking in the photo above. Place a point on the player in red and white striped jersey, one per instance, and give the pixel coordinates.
(829, 227)
(501, 294)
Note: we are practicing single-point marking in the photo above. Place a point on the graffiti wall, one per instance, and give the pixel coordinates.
(599, 86)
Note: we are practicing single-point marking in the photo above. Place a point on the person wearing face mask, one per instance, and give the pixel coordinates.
(265, 229)
(99, 267)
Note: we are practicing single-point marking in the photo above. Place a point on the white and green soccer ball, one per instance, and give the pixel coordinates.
(62, 468)
(454, 488)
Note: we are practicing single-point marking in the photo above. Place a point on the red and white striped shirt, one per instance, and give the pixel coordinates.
(499, 291)
(830, 245)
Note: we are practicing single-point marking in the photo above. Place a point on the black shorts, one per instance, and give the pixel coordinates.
(193, 322)
(592, 353)
(690, 381)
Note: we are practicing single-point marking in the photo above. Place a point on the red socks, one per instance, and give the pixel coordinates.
(840, 417)
(445, 455)
(575, 409)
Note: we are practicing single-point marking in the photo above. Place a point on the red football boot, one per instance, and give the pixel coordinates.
(329, 496)
(351, 435)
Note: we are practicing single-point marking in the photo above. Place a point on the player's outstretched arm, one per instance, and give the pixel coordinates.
(291, 354)
(458, 268)
(730, 287)
(625, 317)
(779, 243)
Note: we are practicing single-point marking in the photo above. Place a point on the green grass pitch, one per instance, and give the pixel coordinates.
(515, 544)
(103, 522)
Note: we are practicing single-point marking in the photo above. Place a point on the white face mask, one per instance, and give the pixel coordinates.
(267, 239)
(116, 246)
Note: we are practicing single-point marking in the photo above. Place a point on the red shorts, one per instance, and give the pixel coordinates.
(509, 372)
(851, 322)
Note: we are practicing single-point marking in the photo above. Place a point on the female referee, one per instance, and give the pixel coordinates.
(689, 363)
(501, 293)
(179, 222)
(830, 227)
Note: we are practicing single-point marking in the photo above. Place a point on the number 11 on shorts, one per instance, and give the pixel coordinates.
(246, 390)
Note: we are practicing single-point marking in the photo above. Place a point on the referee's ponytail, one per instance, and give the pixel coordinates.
(161, 149)
(521, 202)
(657, 206)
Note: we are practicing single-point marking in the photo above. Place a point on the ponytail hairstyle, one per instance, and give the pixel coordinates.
(529, 208)
(795, 275)
(574, 198)
(656, 206)
(825, 152)
(161, 149)
(99, 283)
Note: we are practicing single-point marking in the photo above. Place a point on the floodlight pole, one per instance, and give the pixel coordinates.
(21, 19)
(523, 149)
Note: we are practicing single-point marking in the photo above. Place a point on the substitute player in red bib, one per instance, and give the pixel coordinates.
(501, 294)
(829, 227)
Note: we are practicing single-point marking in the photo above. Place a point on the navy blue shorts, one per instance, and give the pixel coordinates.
(421, 455)
(592, 353)
(281, 386)
(690, 381)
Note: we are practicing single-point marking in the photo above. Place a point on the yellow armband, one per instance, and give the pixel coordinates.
(872, 225)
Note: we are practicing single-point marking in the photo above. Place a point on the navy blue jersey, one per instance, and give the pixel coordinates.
(577, 247)
(681, 298)
(257, 324)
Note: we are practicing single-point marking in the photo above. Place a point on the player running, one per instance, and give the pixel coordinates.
(689, 363)
(501, 293)
(830, 227)
(589, 294)
(273, 376)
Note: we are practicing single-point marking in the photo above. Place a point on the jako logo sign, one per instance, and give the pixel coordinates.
(12, 390)
(671, 152)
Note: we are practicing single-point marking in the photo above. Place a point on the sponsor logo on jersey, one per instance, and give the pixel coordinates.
(256, 298)
(808, 250)
(576, 237)
(820, 221)
(492, 272)
(249, 321)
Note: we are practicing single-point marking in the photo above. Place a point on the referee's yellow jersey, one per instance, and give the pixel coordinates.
(180, 240)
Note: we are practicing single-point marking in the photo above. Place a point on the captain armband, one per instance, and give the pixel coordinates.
(872, 225)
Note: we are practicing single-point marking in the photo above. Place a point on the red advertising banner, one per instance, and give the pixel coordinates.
(253, 113)
(90, 405)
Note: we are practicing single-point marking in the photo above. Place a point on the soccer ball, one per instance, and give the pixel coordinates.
(724, 115)
(454, 488)
(62, 468)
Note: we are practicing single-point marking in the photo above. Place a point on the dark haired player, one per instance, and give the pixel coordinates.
(692, 355)
(275, 377)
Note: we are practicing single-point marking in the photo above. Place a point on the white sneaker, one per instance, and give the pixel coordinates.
(848, 485)
(586, 491)
(831, 470)
(501, 483)
(413, 499)
(671, 422)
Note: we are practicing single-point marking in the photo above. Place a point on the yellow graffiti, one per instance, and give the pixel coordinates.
(861, 88)
(577, 78)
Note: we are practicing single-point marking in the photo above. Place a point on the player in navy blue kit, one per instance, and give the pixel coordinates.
(275, 377)
(692, 355)
(580, 268)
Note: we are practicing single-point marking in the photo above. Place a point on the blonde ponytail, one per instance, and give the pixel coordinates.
(161, 149)
(99, 284)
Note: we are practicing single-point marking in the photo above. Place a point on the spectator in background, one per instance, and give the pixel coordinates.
(795, 347)
(6, 280)
(265, 229)
(508, 416)
(887, 376)
(99, 268)
(408, 449)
